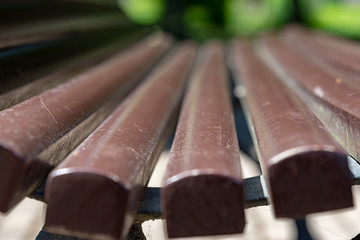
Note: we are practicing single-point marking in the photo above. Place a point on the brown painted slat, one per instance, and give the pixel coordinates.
(349, 46)
(25, 76)
(203, 186)
(95, 192)
(305, 169)
(27, 32)
(333, 100)
(26, 22)
(30, 127)
(336, 57)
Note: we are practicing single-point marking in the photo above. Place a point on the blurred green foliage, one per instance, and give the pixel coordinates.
(249, 17)
(143, 12)
(202, 19)
(340, 17)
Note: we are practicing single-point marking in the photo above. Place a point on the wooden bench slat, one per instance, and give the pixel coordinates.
(346, 45)
(118, 157)
(337, 58)
(28, 128)
(20, 21)
(24, 64)
(333, 100)
(29, 31)
(24, 76)
(343, 72)
(305, 169)
(203, 186)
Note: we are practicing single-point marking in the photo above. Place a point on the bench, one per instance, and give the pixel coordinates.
(98, 125)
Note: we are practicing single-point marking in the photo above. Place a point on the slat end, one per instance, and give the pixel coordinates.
(11, 171)
(310, 182)
(204, 205)
(101, 216)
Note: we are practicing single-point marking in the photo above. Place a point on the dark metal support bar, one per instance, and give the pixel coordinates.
(150, 206)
